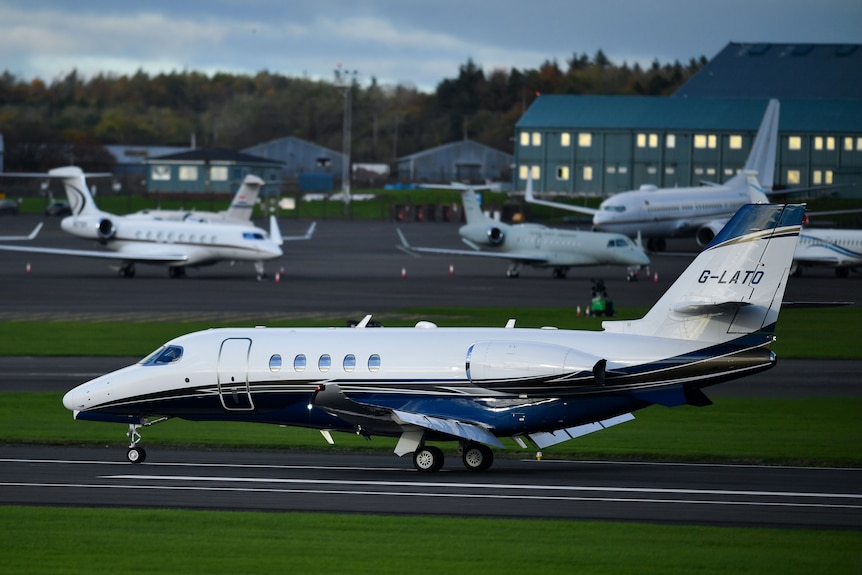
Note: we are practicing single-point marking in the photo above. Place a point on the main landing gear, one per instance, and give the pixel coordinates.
(474, 456)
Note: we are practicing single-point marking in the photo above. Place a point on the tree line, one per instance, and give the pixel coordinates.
(68, 120)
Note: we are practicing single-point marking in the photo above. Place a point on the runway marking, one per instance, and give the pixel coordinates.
(501, 486)
(572, 498)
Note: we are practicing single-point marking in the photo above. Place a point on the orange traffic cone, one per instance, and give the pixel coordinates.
(28, 267)
(403, 272)
(451, 270)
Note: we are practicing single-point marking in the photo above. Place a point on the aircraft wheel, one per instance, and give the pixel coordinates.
(477, 457)
(136, 455)
(428, 458)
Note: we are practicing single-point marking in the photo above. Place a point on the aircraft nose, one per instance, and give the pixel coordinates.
(73, 400)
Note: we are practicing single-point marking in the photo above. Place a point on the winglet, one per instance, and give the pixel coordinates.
(275, 231)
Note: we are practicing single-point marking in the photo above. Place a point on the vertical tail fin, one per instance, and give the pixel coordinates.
(242, 205)
(761, 159)
(472, 208)
(733, 287)
(80, 199)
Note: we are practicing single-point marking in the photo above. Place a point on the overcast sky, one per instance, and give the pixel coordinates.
(417, 43)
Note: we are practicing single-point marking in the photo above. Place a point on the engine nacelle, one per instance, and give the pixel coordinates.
(494, 235)
(531, 368)
(106, 229)
(707, 232)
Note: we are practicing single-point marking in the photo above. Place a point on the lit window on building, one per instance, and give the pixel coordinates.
(585, 140)
(793, 176)
(588, 173)
(537, 138)
(670, 141)
(641, 140)
(700, 141)
(565, 139)
(563, 173)
(794, 143)
(525, 138)
(735, 142)
(188, 173)
(653, 140)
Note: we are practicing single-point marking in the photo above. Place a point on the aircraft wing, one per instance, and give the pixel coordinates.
(26, 238)
(531, 199)
(526, 257)
(275, 232)
(125, 256)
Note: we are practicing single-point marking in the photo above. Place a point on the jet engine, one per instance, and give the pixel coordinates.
(496, 236)
(106, 229)
(707, 232)
(530, 368)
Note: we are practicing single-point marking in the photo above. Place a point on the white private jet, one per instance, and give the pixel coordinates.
(535, 244)
(239, 211)
(474, 385)
(175, 244)
(829, 247)
(700, 211)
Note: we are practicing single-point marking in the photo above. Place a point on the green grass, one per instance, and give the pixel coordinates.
(811, 431)
(58, 541)
(831, 333)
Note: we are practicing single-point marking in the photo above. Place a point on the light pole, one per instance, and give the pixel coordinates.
(344, 80)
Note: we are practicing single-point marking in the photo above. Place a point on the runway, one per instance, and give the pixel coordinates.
(728, 495)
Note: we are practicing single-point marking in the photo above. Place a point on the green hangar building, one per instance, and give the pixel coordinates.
(600, 145)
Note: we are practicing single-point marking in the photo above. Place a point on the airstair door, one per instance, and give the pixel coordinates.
(233, 374)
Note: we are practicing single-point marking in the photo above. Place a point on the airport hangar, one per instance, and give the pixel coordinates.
(600, 145)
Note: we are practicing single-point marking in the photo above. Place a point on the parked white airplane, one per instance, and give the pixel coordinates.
(239, 211)
(701, 211)
(535, 244)
(175, 244)
(474, 385)
(840, 249)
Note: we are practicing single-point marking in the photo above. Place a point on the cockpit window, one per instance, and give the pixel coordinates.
(612, 208)
(618, 243)
(164, 355)
(252, 236)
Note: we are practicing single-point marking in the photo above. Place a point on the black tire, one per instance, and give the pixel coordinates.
(428, 459)
(477, 457)
(136, 455)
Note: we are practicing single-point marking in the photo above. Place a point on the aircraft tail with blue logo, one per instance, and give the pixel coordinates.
(734, 286)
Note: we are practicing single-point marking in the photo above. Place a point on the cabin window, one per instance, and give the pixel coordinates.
(374, 363)
(349, 362)
(324, 363)
(299, 363)
(275, 363)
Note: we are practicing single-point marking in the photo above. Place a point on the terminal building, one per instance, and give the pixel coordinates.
(600, 145)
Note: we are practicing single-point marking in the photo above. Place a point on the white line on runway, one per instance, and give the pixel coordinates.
(501, 486)
(571, 498)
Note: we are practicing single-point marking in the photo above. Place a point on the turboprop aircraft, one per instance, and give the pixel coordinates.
(175, 244)
(239, 211)
(535, 244)
(700, 211)
(474, 385)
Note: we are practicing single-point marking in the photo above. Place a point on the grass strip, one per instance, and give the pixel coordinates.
(811, 431)
(75, 540)
(830, 333)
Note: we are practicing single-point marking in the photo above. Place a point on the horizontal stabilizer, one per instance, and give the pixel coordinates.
(450, 427)
(700, 307)
(546, 439)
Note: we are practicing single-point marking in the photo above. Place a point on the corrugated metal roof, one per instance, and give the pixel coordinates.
(762, 70)
(662, 113)
(463, 148)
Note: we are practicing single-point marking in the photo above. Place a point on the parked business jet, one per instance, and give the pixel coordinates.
(701, 211)
(474, 385)
(175, 244)
(239, 211)
(836, 248)
(536, 245)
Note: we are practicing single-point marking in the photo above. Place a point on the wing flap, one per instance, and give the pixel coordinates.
(548, 438)
(452, 427)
